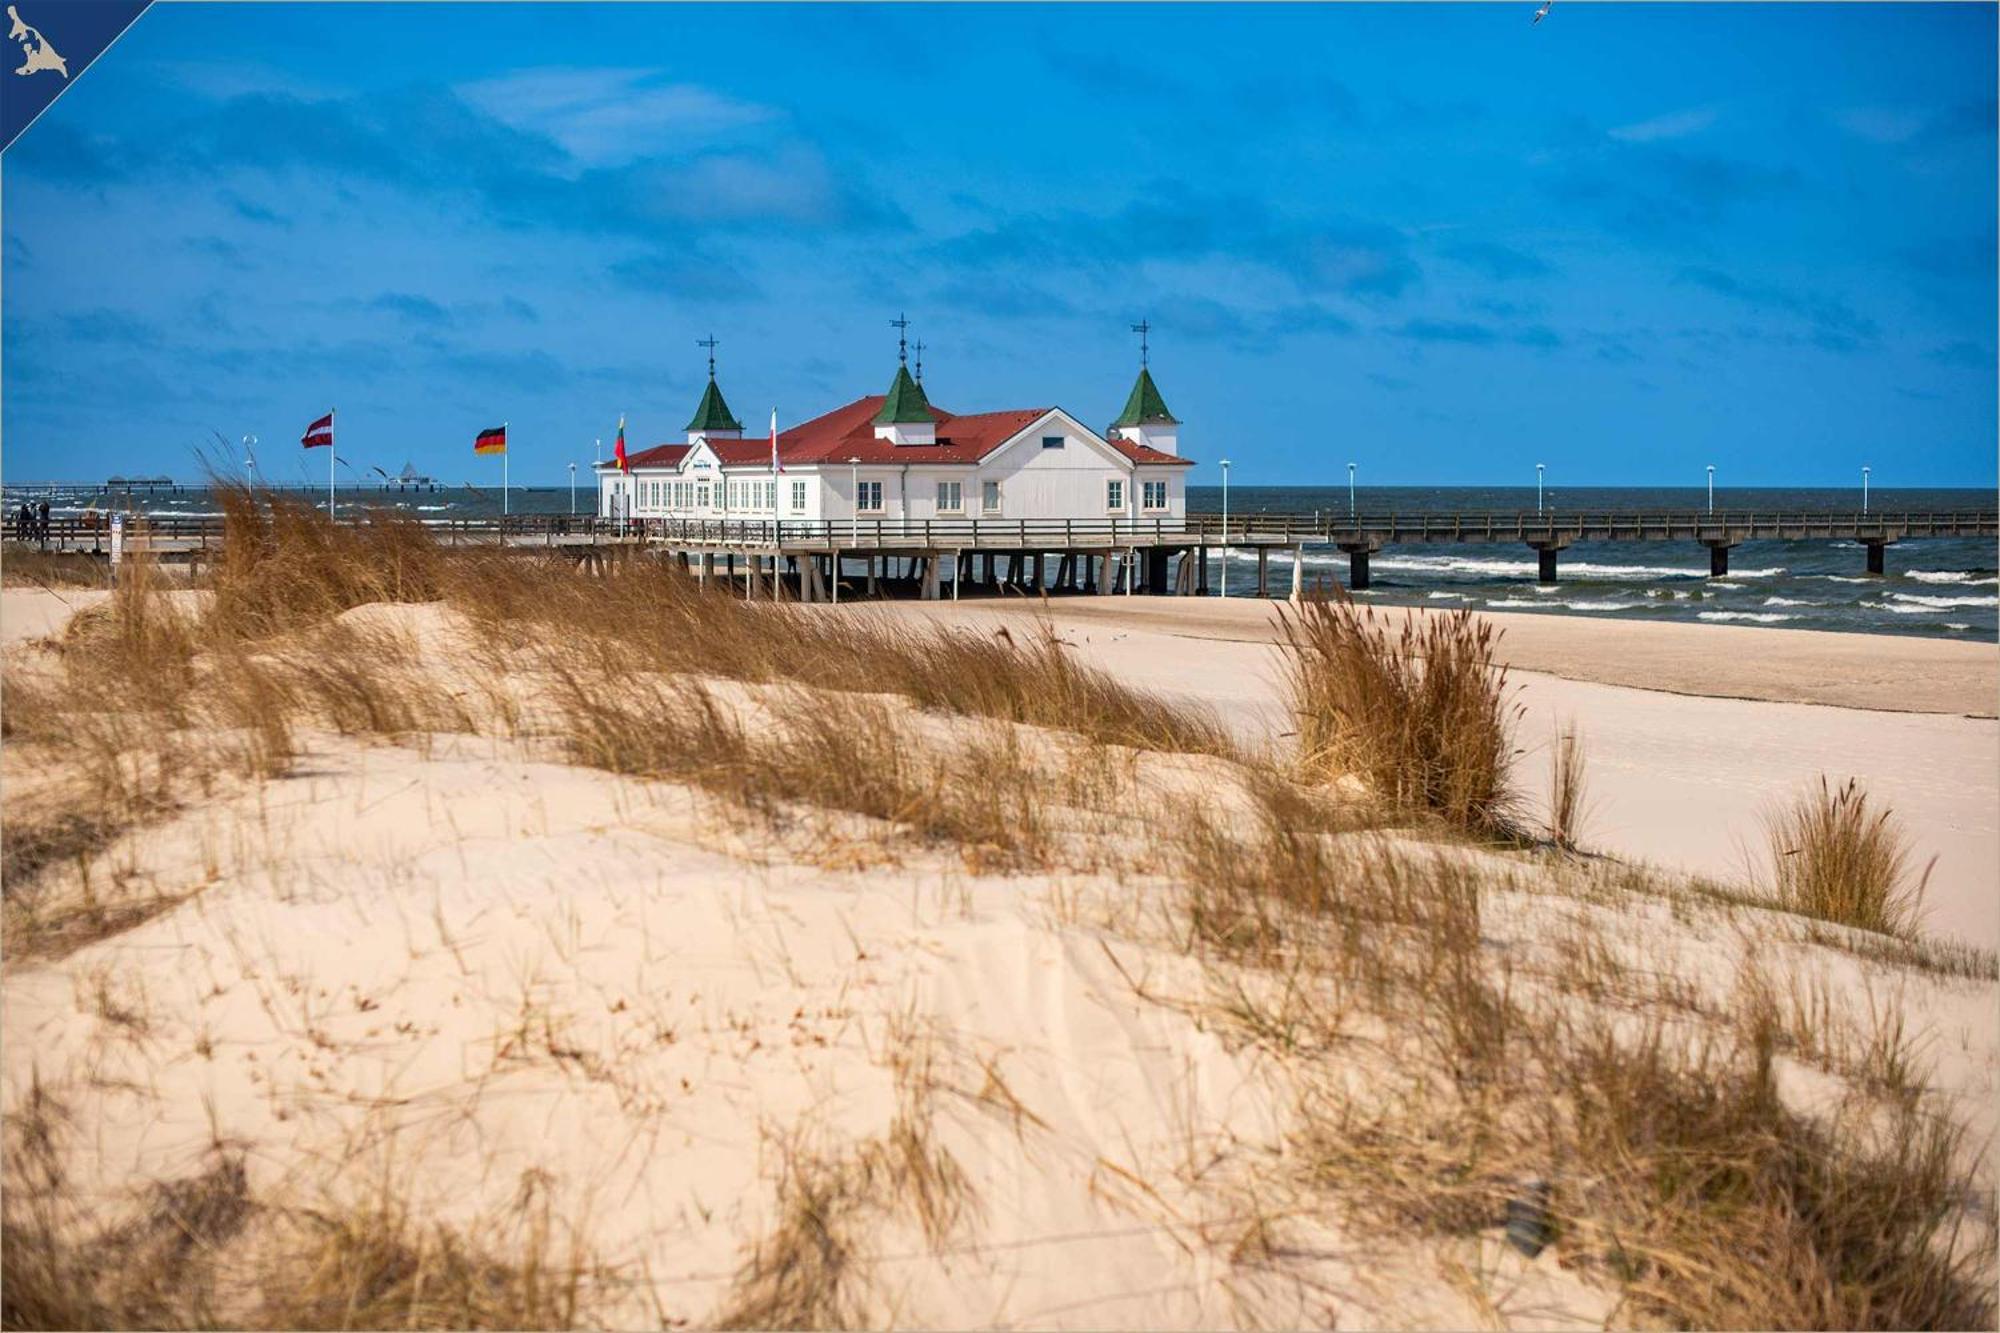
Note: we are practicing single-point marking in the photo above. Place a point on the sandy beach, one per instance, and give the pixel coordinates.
(1691, 730)
(519, 987)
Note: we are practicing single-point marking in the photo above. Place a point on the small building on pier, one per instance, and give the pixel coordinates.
(898, 459)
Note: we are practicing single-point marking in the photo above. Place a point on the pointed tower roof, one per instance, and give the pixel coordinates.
(1145, 407)
(905, 402)
(713, 414)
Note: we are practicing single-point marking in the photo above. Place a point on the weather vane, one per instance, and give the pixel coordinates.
(711, 344)
(1142, 328)
(920, 360)
(902, 327)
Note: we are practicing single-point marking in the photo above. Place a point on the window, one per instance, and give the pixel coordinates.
(1155, 495)
(989, 496)
(1114, 496)
(1052, 441)
(868, 498)
(701, 495)
(798, 497)
(951, 497)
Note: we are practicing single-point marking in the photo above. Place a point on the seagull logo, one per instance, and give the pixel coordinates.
(36, 53)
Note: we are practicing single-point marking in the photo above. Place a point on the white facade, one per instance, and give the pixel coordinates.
(1054, 468)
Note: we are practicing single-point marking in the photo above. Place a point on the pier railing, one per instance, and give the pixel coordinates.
(91, 530)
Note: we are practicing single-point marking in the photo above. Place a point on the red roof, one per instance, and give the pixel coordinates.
(849, 432)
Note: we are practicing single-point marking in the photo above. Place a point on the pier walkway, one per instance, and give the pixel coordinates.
(808, 558)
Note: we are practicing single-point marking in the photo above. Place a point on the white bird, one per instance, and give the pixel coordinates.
(1543, 12)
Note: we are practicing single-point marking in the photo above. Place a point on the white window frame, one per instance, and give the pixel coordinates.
(798, 497)
(865, 491)
(951, 497)
(989, 497)
(1054, 441)
(1146, 497)
(1114, 495)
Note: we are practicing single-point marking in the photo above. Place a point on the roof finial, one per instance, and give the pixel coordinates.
(902, 327)
(711, 344)
(1142, 328)
(920, 360)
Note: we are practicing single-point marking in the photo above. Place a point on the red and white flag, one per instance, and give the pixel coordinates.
(776, 466)
(319, 434)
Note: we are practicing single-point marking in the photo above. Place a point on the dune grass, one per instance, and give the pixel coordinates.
(1835, 857)
(1647, 1130)
(1420, 714)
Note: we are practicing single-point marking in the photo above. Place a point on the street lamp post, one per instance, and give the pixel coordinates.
(1539, 467)
(1350, 491)
(1864, 490)
(572, 490)
(1711, 488)
(1225, 527)
(250, 458)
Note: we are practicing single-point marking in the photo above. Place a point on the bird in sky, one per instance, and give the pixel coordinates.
(1543, 12)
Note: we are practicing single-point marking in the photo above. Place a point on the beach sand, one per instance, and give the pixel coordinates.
(1690, 730)
(485, 976)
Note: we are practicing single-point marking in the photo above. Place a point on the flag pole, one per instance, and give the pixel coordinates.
(330, 448)
(506, 499)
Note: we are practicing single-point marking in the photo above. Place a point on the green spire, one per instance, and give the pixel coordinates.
(1145, 407)
(906, 402)
(713, 414)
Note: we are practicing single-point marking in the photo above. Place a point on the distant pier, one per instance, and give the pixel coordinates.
(803, 560)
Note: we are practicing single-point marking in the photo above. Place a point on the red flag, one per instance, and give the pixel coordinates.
(618, 451)
(319, 434)
(492, 441)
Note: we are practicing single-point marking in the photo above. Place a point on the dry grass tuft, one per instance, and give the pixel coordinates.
(284, 565)
(24, 566)
(1420, 716)
(1835, 858)
(1567, 767)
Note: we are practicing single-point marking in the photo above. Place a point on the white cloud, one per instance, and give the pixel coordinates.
(1673, 125)
(606, 116)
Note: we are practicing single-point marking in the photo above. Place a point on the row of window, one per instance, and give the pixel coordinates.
(746, 495)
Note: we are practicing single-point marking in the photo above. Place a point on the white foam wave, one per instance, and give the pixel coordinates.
(1790, 601)
(1939, 602)
(1602, 606)
(1719, 583)
(1953, 624)
(1514, 603)
(1454, 596)
(1758, 617)
(1953, 576)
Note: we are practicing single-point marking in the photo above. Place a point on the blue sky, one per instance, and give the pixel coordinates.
(1440, 241)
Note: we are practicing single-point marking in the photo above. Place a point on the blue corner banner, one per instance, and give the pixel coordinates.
(50, 43)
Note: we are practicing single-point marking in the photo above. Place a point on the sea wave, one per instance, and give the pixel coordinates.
(1964, 576)
(1724, 584)
(1920, 599)
(1455, 596)
(1758, 617)
(1790, 601)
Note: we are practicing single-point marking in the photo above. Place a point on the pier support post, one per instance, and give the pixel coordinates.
(1263, 571)
(1038, 571)
(1156, 558)
(1545, 553)
(1358, 578)
(1718, 558)
(1876, 552)
(1298, 574)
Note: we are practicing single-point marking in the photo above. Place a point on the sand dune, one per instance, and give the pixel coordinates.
(462, 972)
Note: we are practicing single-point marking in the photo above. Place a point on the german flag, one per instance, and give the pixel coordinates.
(491, 441)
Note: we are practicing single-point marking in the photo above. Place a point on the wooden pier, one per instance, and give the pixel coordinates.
(811, 559)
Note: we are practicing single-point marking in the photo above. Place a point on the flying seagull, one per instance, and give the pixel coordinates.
(1543, 12)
